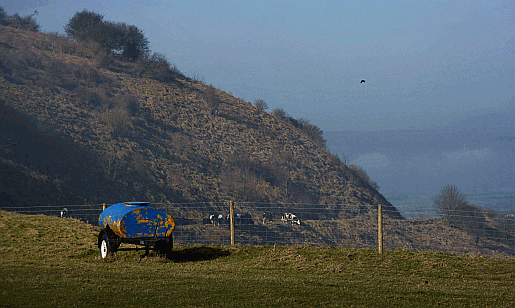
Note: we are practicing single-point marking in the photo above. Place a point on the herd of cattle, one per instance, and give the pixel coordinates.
(220, 219)
(246, 219)
(239, 219)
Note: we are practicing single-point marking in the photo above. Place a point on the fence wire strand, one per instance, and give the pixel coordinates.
(342, 225)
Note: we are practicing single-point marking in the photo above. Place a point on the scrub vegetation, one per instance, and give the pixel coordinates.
(96, 117)
(53, 262)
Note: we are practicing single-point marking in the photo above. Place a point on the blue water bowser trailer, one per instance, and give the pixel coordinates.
(135, 223)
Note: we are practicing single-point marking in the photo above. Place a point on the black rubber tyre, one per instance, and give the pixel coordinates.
(165, 248)
(105, 247)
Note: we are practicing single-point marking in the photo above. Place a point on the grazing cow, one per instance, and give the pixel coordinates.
(64, 213)
(213, 219)
(216, 220)
(290, 217)
(244, 219)
(267, 217)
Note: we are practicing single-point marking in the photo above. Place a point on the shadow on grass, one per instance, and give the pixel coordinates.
(200, 253)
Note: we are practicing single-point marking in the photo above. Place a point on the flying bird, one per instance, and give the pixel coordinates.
(362, 81)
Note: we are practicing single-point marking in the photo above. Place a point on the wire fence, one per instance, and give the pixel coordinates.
(87, 213)
(486, 233)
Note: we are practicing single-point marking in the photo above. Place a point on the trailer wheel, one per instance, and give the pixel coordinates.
(105, 248)
(165, 247)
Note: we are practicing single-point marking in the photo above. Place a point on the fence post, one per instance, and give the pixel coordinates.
(104, 207)
(380, 228)
(231, 205)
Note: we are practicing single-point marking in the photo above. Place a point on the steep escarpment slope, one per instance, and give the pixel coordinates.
(82, 126)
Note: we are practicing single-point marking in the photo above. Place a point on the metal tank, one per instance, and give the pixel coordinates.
(135, 223)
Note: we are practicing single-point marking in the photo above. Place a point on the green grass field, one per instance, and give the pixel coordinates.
(53, 262)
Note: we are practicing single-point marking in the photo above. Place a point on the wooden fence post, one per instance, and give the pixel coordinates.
(231, 205)
(380, 228)
(104, 207)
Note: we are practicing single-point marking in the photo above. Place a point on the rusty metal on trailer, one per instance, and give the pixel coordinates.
(137, 220)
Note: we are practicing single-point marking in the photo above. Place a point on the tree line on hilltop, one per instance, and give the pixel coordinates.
(27, 23)
(120, 38)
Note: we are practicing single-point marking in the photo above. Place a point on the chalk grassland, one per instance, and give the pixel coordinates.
(53, 262)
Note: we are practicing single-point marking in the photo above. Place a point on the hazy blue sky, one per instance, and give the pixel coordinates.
(426, 63)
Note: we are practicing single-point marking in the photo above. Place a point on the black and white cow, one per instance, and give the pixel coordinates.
(290, 217)
(65, 213)
(267, 217)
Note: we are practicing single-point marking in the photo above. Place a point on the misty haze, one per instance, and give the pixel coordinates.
(411, 166)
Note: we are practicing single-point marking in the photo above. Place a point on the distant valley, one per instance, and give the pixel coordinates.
(411, 166)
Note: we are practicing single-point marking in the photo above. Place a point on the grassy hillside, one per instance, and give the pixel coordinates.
(81, 126)
(53, 262)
